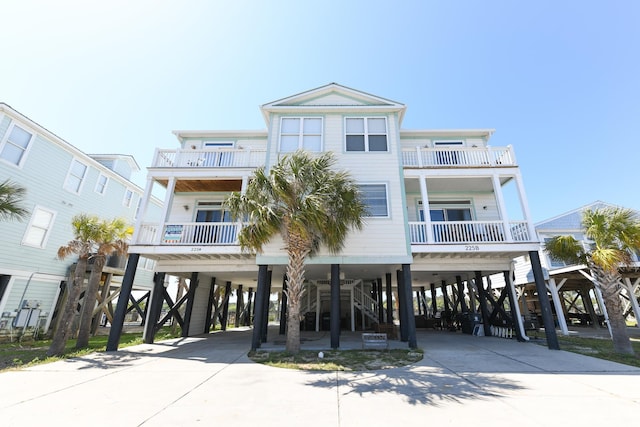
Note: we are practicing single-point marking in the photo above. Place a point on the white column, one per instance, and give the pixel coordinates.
(166, 208)
(353, 312)
(603, 308)
(631, 292)
(514, 295)
(318, 309)
(525, 208)
(497, 190)
(425, 208)
(555, 296)
(144, 204)
(245, 182)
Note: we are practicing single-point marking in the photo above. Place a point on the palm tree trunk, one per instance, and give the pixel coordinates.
(295, 289)
(608, 284)
(90, 297)
(63, 332)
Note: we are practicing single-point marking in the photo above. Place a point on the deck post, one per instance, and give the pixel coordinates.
(484, 309)
(250, 307)
(258, 318)
(447, 304)
(515, 309)
(225, 306)
(155, 306)
(402, 309)
(123, 302)
(387, 278)
(207, 324)
(334, 318)
(423, 301)
(543, 299)
(380, 308)
(434, 302)
(463, 303)
(266, 302)
(191, 295)
(409, 313)
(239, 306)
(283, 307)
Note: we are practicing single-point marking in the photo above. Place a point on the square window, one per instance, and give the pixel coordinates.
(15, 145)
(374, 197)
(366, 134)
(301, 133)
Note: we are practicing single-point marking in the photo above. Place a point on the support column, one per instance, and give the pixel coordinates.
(632, 298)
(502, 209)
(380, 308)
(402, 312)
(334, 318)
(250, 307)
(191, 295)
(463, 303)
(424, 301)
(484, 310)
(562, 322)
(123, 302)
(207, 324)
(447, 304)
(239, 305)
(515, 309)
(588, 304)
(472, 296)
(410, 314)
(225, 306)
(258, 319)
(267, 302)
(283, 308)
(543, 299)
(155, 306)
(425, 209)
(387, 278)
(434, 302)
(146, 196)
(166, 208)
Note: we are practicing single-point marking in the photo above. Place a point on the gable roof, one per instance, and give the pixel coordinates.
(571, 220)
(334, 97)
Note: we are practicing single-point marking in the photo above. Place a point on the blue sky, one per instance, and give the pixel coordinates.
(558, 80)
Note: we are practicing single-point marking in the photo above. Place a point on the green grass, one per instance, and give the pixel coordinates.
(30, 353)
(600, 348)
(347, 360)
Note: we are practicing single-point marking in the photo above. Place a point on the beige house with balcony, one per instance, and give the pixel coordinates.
(446, 210)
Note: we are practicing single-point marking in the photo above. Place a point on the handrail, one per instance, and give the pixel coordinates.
(451, 157)
(209, 158)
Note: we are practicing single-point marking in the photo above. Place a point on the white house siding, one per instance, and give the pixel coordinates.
(199, 312)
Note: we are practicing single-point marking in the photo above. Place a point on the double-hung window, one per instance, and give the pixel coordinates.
(39, 227)
(300, 133)
(374, 196)
(128, 197)
(101, 184)
(75, 177)
(366, 134)
(15, 146)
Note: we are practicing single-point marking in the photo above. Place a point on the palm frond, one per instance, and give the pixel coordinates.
(11, 198)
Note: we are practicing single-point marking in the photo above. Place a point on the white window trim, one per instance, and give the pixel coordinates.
(386, 192)
(106, 184)
(301, 132)
(82, 181)
(127, 202)
(47, 232)
(26, 151)
(366, 133)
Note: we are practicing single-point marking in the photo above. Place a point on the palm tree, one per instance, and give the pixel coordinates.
(309, 205)
(615, 233)
(112, 238)
(10, 198)
(86, 231)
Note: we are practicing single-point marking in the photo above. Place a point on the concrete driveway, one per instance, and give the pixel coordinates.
(463, 380)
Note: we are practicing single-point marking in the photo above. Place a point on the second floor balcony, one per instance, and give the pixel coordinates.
(458, 157)
(209, 158)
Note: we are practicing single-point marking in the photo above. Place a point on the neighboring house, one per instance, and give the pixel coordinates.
(454, 176)
(61, 182)
(575, 299)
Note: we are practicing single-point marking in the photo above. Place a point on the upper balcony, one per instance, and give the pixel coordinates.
(458, 157)
(209, 158)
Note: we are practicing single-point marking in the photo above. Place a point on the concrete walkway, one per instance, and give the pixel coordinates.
(462, 380)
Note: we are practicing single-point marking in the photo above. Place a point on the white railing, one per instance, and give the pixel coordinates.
(209, 158)
(368, 305)
(190, 233)
(458, 157)
(469, 232)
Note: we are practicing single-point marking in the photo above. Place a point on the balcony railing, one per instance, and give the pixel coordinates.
(209, 158)
(469, 232)
(190, 233)
(451, 157)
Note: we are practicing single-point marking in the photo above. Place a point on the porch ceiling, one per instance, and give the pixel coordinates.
(200, 185)
(448, 185)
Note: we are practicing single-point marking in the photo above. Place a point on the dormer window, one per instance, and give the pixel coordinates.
(366, 134)
(300, 133)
